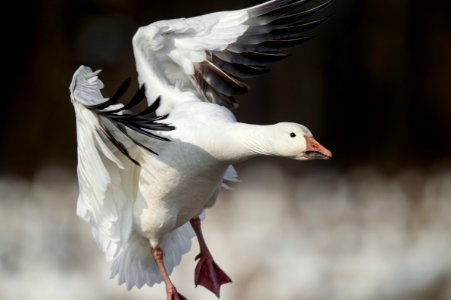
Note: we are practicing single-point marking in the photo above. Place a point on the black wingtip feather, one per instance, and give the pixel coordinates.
(299, 27)
(265, 57)
(138, 122)
(286, 8)
(279, 45)
(275, 6)
(239, 70)
(273, 28)
(115, 98)
(124, 131)
(137, 98)
(310, 12)
(221, 81)
(106, 133)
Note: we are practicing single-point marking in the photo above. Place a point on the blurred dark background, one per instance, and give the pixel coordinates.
(374, 86)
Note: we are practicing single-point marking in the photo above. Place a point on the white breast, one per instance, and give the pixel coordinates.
(176, 185)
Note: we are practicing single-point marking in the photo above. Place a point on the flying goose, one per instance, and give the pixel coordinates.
(146, 177)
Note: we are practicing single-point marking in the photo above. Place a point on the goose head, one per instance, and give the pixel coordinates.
(295, 141)
(244, 141)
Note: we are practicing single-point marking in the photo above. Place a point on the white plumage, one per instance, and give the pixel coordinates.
(109, 189)
(143, 179)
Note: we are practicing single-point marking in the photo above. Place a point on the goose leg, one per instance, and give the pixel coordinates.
(207, 273)
(171, 291)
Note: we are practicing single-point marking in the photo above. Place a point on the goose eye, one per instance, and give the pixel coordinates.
(293, 134)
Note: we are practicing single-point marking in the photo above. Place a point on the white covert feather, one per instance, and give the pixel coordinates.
(166, 51)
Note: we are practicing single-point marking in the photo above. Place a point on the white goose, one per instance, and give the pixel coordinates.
(144, 183)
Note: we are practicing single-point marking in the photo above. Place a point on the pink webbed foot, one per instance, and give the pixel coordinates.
(209, 275)
(174, 295)
(207, 272)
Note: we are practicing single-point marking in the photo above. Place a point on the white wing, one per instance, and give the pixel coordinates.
(107, 173)
(102, 201)
(207, 57)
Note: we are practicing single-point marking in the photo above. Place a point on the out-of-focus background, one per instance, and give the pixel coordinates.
(374, 222)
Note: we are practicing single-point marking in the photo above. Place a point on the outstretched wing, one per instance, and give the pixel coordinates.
(210, 56)
(107, 137)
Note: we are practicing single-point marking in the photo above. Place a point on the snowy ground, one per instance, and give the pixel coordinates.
(325, 236)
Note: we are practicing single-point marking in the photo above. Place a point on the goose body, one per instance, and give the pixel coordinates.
(177, 184)
(144, 180)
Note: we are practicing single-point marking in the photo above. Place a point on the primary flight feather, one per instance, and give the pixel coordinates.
(146, 177)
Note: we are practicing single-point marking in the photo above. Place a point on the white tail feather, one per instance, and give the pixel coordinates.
(230, 175)
(135, 265)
